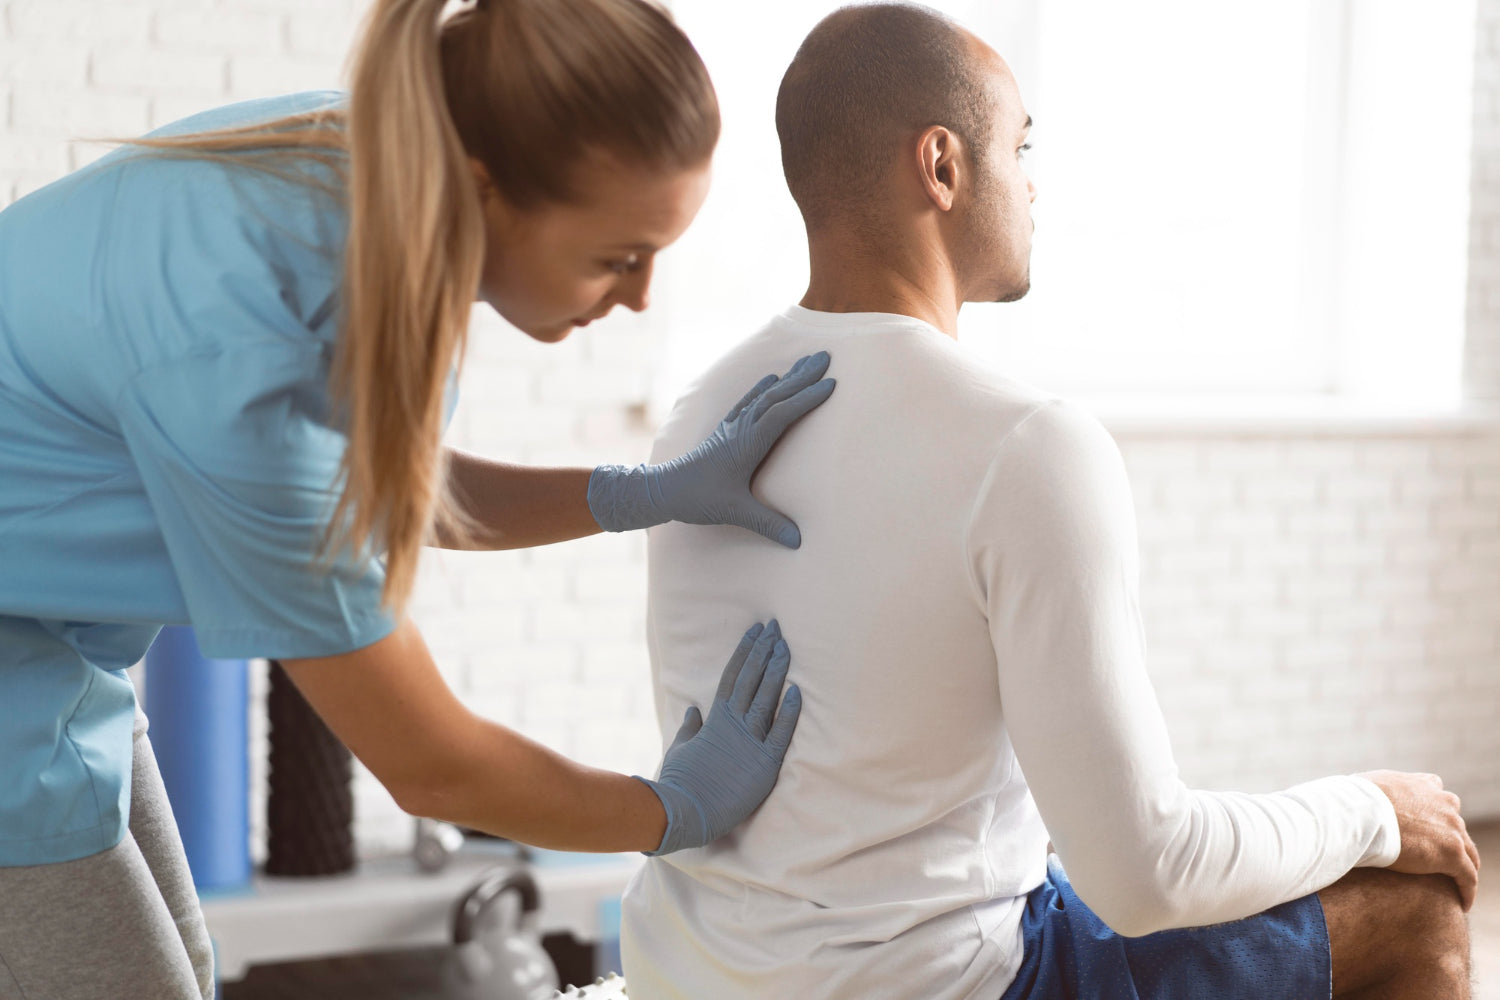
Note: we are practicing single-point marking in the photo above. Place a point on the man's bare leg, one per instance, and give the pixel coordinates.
(1397, 937)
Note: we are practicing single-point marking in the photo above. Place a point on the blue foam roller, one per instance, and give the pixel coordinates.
(607, 946)
(199, 712)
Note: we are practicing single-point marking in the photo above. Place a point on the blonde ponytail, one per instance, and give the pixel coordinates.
(520, 86)
(411, 268)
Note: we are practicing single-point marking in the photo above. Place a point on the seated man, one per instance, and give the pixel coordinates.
(968, 644)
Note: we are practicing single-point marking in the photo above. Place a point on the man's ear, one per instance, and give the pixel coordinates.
(940, 163)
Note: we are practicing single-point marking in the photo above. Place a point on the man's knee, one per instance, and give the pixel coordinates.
(1441, 929)
(1384, 926)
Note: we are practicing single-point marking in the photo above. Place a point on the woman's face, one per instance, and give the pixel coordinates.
(553, 267)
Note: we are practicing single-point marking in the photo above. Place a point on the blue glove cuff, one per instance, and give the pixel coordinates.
(620, 498)
(684, 818)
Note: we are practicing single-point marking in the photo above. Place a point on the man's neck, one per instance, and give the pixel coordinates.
(849, 279)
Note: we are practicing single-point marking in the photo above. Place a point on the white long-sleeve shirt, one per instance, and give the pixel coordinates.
(963, 622)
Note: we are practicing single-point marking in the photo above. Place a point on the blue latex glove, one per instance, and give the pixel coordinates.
(716, 773)
(711, 483)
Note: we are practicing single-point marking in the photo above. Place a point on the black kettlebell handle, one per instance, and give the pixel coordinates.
(485, 892)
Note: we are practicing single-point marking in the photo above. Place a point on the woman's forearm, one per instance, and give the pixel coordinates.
(514, 787)
(516, 506)
(389, 704)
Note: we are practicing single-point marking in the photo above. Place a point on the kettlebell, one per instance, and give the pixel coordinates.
(499, 956)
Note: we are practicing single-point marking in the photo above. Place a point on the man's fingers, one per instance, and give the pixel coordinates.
(761, 708)
(1470, 848)
(1468, 886)
(1468, 851)
(1471, 869)
(754, 669)
(752, 395)
(732, 670)
(1466, 891)
(1455, 860)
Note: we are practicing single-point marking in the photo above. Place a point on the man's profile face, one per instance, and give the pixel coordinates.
(997, 241)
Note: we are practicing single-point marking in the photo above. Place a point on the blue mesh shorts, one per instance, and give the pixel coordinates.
(1281, 954)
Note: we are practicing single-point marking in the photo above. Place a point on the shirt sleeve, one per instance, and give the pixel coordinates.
(1054, 558)
(241, 469)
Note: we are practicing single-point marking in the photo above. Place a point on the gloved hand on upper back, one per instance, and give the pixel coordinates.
(711, 483)
(716, 773)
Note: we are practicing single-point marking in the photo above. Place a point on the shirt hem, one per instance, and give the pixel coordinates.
(280, 644)
(60, 847)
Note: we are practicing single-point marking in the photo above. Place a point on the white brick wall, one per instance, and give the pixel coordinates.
(1324, 603)
(1315, 601)
(1482, 358)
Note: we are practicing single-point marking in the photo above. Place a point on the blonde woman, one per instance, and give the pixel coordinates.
(226, 361)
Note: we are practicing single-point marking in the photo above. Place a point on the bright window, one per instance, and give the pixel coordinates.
(1265, 198)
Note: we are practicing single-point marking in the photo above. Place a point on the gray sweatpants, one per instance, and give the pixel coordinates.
(121, 925)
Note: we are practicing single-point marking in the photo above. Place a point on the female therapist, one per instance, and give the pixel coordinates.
(226, 360)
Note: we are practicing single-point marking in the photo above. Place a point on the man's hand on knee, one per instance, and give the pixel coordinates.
(1434, 839)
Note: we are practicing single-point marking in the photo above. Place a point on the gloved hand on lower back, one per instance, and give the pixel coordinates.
(711, 483)
(716, 773)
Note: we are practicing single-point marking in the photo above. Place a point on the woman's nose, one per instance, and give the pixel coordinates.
(634, 293)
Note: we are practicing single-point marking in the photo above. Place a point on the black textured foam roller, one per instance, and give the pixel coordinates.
(310, 806)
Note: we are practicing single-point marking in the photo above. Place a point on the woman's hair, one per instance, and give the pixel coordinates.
(529, 88)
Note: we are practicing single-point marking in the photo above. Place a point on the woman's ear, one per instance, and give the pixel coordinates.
(498, 210)
(940, 164)
(482, 181)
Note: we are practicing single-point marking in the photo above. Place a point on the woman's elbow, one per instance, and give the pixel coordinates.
(433, 778)
(432, 794)
(410, 796)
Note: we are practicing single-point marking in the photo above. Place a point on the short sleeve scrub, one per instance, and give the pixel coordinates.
(167, 456)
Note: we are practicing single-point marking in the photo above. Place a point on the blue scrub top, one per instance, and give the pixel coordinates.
(166, 456)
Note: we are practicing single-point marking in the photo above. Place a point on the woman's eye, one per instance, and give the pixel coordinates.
(624, 266)
(1021, 153)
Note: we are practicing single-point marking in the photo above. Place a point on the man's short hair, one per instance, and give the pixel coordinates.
(866, 78)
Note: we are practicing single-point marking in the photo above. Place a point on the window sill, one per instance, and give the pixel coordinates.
(1286, 416)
